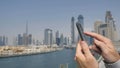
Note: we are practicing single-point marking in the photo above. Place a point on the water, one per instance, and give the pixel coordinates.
(48, 60)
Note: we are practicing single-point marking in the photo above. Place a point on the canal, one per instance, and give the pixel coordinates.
(48, 60)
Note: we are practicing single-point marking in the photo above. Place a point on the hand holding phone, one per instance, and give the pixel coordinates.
(82, 36)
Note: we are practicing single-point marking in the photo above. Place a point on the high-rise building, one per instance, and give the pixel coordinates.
(65, 41)
(107, 29)
(103, 30)
(48, 37)
(81, 21)
(20, 39)
(111, 29)
(72, 30)
(97, 25)
(25, 39)
(61, 39)
(57, 38)
(3, 40)
(6, 41)
(108, 17)
(30, 39)
(0, 40)
(15, 41)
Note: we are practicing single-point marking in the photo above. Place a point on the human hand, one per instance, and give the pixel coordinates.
(84, 57)
(104, 46)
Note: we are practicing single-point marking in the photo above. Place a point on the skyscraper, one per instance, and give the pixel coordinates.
(65, 41)
(107, 29)
(27, 27)
(61, 39)
(111, 29)
(3, 40)
(108, 17)
(72, 30)
(20, 39)
(30, 39)
(48, 37)
(81, 21)
(0, 40)
(26, 34)
(103, 30)
(25, 39)
(97, 25)
(57, 38)
(4, 43)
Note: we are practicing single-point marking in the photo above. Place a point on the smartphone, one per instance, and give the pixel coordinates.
(80, 31)
(83, 38)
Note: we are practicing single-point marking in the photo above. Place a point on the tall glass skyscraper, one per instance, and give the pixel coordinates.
(81, 21)
(3, 40)
(57, 38)
(20, 39)
(48, 37)
(30, 39)
(72, 30)
(61, 40)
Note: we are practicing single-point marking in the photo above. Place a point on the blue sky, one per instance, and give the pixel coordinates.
(54, 14)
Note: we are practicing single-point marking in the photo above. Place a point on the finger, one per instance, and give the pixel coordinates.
(85, 48)
(97, 36)
(79, 51)
(100, 45)
(93, 47)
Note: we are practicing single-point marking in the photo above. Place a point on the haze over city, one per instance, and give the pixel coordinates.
(53, 14)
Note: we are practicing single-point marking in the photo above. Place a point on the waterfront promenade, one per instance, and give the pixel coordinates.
(10, 51)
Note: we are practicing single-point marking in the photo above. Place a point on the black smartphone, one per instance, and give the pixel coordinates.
(80, 31)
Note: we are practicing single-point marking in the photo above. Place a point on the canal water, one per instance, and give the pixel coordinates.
(48, 60)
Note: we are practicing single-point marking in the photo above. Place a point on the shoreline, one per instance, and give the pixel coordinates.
(25, 54)
(14, 51)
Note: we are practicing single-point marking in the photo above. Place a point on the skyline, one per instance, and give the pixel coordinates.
(53, 14)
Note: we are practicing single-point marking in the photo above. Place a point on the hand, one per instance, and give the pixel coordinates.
(105, 47)
(84, 57)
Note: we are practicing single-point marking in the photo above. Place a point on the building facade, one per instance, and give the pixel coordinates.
(81, 20)
(48, 37)
(72, 30)
(24, 39)
(97, 25)
(3, 40)
(57, 38)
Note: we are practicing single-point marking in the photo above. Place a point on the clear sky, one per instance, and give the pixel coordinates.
(54, 14)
